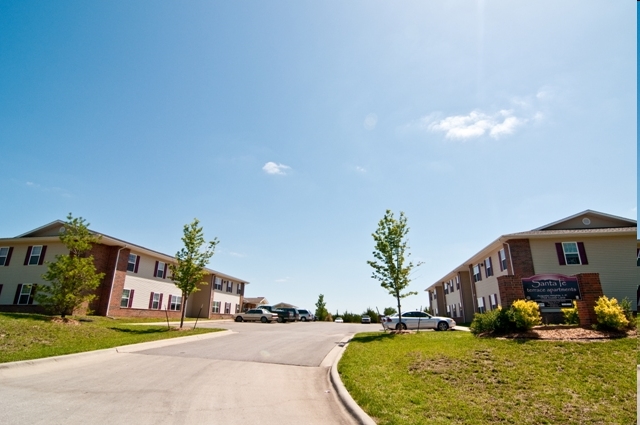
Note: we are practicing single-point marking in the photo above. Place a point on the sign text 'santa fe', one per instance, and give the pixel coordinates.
(551, 290)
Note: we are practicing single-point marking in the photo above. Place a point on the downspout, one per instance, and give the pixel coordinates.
(113, 279)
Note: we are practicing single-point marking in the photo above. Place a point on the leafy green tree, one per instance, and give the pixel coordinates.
(389, 311)
(372, 314)
(73, 278)
(189, 271)
(321, 308)
(390, 266)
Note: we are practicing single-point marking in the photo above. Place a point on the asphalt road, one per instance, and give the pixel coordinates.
(270, 371)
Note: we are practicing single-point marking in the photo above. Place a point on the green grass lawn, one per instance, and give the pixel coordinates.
(456, 378)
(32, 336)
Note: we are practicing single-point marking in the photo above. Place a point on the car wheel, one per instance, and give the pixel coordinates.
(238, 319)
(304, 319)
(401, 326)
(442, 326)
(279, 320)
(263, 319)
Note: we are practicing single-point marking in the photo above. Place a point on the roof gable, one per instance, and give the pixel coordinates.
(589, 219)
(51, 229)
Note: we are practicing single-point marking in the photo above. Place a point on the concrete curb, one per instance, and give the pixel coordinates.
(343, 395)
(132, 348)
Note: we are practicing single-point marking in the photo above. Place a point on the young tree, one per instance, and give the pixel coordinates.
(389, 311)
(321, 309)
(391, 248)
(191, 259)
(73, 278)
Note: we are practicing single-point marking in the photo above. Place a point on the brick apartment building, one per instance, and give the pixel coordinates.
(135, 284)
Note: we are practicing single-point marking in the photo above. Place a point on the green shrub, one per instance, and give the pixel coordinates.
(571, 315)
(628, 312)
(610, 314)
(526, 314)
(498, 321)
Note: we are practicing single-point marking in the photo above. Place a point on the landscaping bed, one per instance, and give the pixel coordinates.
(32, 336)
(455, 378)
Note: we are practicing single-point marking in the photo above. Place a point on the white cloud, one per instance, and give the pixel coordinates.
(370, 121)
(360, 169)
(273, 168)
(475, 124)
(286, 279)
(56, 190)
(236, 254)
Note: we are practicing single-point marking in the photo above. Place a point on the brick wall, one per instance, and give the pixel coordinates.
(590, 291)
(510, 289)
(521, 258)
(104, 258)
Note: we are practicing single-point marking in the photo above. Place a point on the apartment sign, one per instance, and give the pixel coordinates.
(551, 290)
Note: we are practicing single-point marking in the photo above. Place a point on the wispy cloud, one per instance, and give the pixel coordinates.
(51, 189)
(273, 168)
(475, 124)
(236, 254)
(360, 169)
(370, 121)
(282, 280)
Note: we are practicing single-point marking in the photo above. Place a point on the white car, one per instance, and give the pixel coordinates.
(418, 320)
(339, 320)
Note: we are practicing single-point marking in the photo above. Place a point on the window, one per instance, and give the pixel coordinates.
(476, 273)
(458, 282)
(127, 298)
(455, 313)
(227, 308)
(134, 261)
(493, 300)
(237, 308)
(155, 301)
(229, 286)
(217, 284)
(5, 255)
(637, 260)
(239, 289)
(481, 308)
(453, 289)
(216, 307)
(502, 257)
(488, 269)
(161, 270)
(446, 288)
(24, 294)
(448, 310)
(175, 301)
(35, 255)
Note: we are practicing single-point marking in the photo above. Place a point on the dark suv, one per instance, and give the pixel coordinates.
(293, 311)
(283, 316)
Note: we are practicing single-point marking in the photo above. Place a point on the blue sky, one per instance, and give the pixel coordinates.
(289, 127)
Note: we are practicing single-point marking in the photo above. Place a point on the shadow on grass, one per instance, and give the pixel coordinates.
(372, 337)
(140, 331)
(28, 316)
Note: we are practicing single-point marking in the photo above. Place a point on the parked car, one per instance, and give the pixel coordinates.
(256, 314)
(339, 320)
(418, 319)
(283, 316)
(365, 319)
(305, 315)
(294, 311)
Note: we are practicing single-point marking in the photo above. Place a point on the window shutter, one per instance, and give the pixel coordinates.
(500, 260)
(6, 263)
(130, 298)
(44, 249)
(0, 288)
(135, 269)
(160, 303)
(490, 265)
(151, 300)
(34, 288)
(583, 254)
(18, 289)
(164, 274)
(169, 302)
(155, 270)
(26, 259)
(560, 253)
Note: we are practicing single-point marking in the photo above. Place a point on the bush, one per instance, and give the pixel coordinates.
(628, 312)
(610, 315)
(571, 315)
(497, 321)
(526, 314)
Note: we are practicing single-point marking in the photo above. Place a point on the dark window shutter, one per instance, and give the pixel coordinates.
(130, 298)
(6, 263)
(151, 300)
(0, 288)
(26, 259)
(135, 269)
(169, 302)
(560, 253)
(160, 303)
(164, 274)
(155, 270)
(18, 289)
(34, 288)
(583, 253)
(44, 250)
(491, 265)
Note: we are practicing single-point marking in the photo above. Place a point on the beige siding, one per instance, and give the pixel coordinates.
(489, 285)
(16, 272)
(611, 256)
(147, 267)
(144, 287)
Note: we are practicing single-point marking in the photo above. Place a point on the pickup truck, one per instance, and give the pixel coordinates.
(256, 314)
(283, 316)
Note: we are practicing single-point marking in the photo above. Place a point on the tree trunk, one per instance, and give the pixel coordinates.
(184, 303)
(399, 311)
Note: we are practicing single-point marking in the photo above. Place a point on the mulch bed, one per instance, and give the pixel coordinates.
(569, 333)
(64, 321)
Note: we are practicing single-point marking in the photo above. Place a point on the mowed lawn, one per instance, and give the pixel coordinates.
(455, 378)
(32, 336)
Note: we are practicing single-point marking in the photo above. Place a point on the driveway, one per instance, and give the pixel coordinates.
(273, 371)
